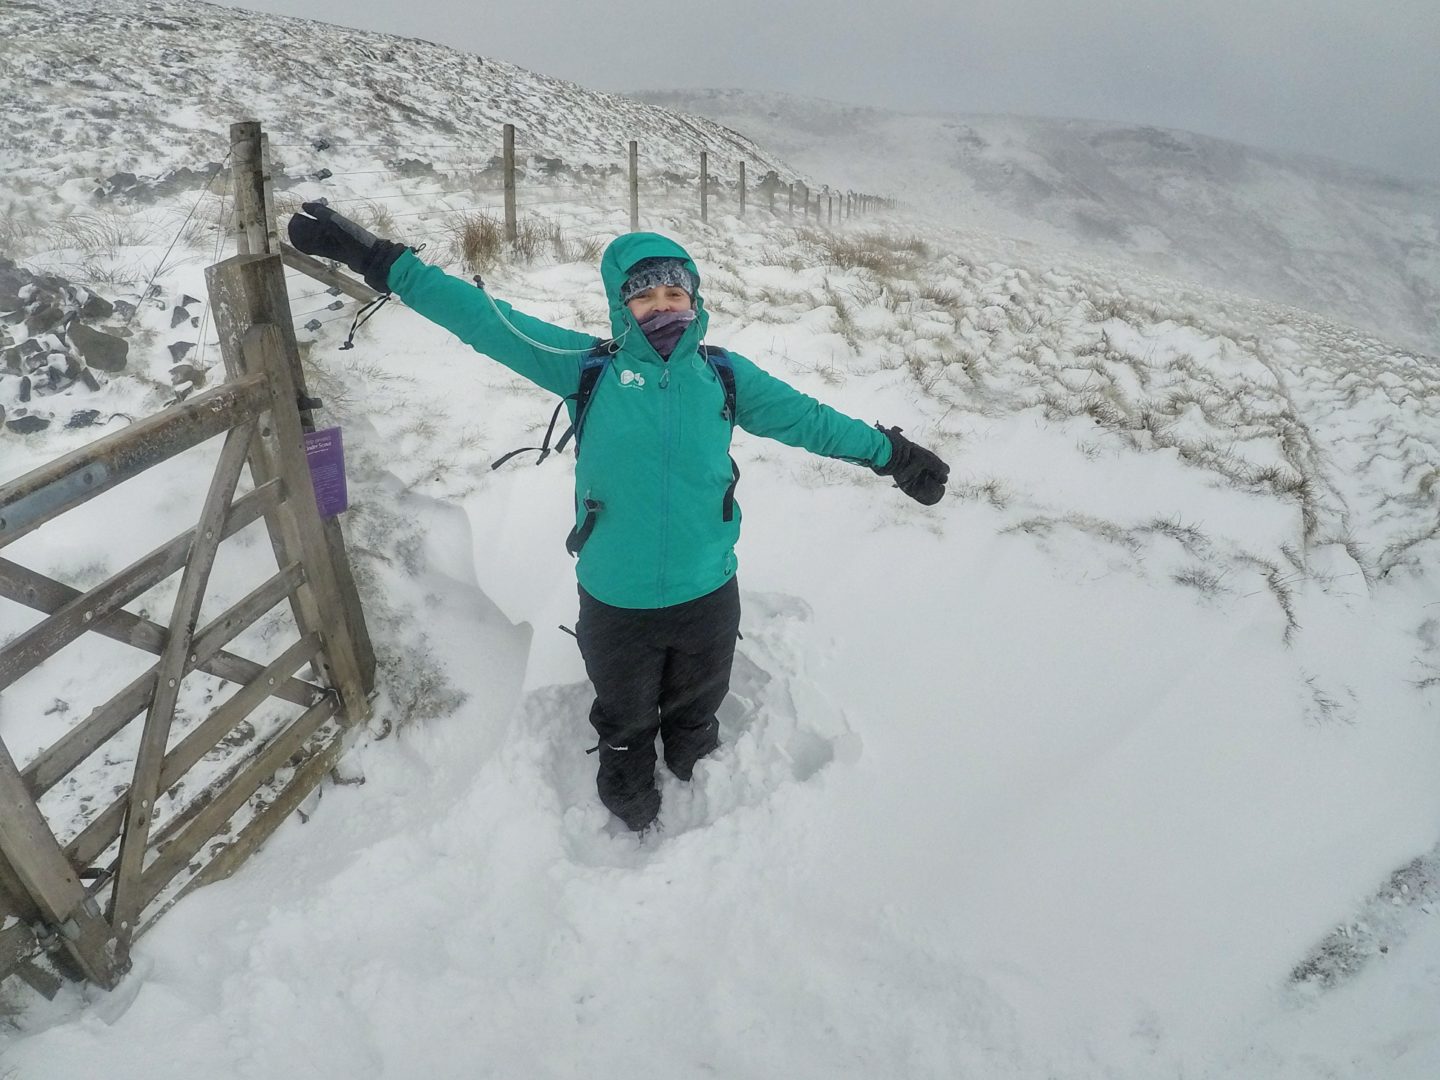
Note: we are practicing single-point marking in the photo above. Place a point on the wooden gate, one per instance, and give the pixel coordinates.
(85, 900)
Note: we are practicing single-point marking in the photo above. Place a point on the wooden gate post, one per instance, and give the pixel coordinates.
(266, 300)
(634, 186)
(511, 230)
(248, 291)
(247, 171)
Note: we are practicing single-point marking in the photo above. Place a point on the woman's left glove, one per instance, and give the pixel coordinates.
(328, 235)
(917, 472)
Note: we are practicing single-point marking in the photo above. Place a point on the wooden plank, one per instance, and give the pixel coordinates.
(306, 778)
(272, 233)
(150, 757)
(244, 291)
(220, 809)
(298, 260)
(17, 945)
(14, 900)
(86, 737)
(49, 880)
(264, 351)
(39, 496)
(247, 187)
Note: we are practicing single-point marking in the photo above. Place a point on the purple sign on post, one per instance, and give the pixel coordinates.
(325, 452)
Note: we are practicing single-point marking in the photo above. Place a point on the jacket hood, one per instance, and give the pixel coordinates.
(623, 253)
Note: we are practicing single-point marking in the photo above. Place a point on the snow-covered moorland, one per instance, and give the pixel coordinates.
(1117, 763)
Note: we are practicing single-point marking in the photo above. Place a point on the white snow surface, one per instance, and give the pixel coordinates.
(1068, 776)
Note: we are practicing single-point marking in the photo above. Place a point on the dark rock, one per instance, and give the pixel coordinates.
(99, 350)
(82, 418)
(124, 309)
(178, 316)
(27, 425)
(89, 378)
(186, 373)
(186, 300)
(178, 349)
(25, 388)
(57, 378)
(96, 307)
(10, 359)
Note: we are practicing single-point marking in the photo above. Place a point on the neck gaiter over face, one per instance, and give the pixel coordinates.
(663, 329)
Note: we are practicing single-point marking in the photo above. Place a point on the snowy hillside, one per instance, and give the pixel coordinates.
(1118, 763)
(1352, 245)
(89, 89)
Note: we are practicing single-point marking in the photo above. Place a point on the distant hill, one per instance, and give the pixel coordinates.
(1298, 230)
(90, 89)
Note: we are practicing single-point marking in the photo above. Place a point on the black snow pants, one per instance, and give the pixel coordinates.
(656, 671)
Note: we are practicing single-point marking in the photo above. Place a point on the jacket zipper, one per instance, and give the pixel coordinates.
(664, 480)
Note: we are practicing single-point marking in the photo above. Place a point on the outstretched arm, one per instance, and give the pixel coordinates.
(546, 354)
(771, 407)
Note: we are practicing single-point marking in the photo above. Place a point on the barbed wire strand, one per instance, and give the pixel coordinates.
(175, 239)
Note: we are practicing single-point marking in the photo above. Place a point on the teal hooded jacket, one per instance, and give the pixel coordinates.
(657, 443)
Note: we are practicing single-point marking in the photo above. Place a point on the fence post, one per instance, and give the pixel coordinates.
(510, 229)
(634, 186)
(790, 208)
(252, 233)
(829, 208)
(704, 186)
(742, 189)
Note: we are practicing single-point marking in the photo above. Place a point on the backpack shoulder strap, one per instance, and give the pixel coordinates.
(720, 363)
(591, 368)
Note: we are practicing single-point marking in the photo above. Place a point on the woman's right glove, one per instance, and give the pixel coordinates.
(328, 235)
(917, 472)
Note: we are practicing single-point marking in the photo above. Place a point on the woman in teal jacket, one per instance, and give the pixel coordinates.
(656, 518)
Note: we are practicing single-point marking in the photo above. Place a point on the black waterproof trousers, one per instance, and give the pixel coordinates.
(656, 671)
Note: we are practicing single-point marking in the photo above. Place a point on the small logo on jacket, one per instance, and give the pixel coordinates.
(632, 378)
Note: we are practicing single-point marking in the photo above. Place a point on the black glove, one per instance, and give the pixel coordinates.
(917, 472)
(328, 235)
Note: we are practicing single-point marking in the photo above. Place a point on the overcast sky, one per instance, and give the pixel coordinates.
(1349, 79)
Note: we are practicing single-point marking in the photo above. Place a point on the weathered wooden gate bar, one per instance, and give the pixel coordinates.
(125, 901)
(50, 895)
(85, 738)
(39, 496)
(30, 849)
(102, 831)
(298, 260)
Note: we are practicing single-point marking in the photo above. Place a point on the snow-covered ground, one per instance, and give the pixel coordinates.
(1065, 776)
(1119, 762)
